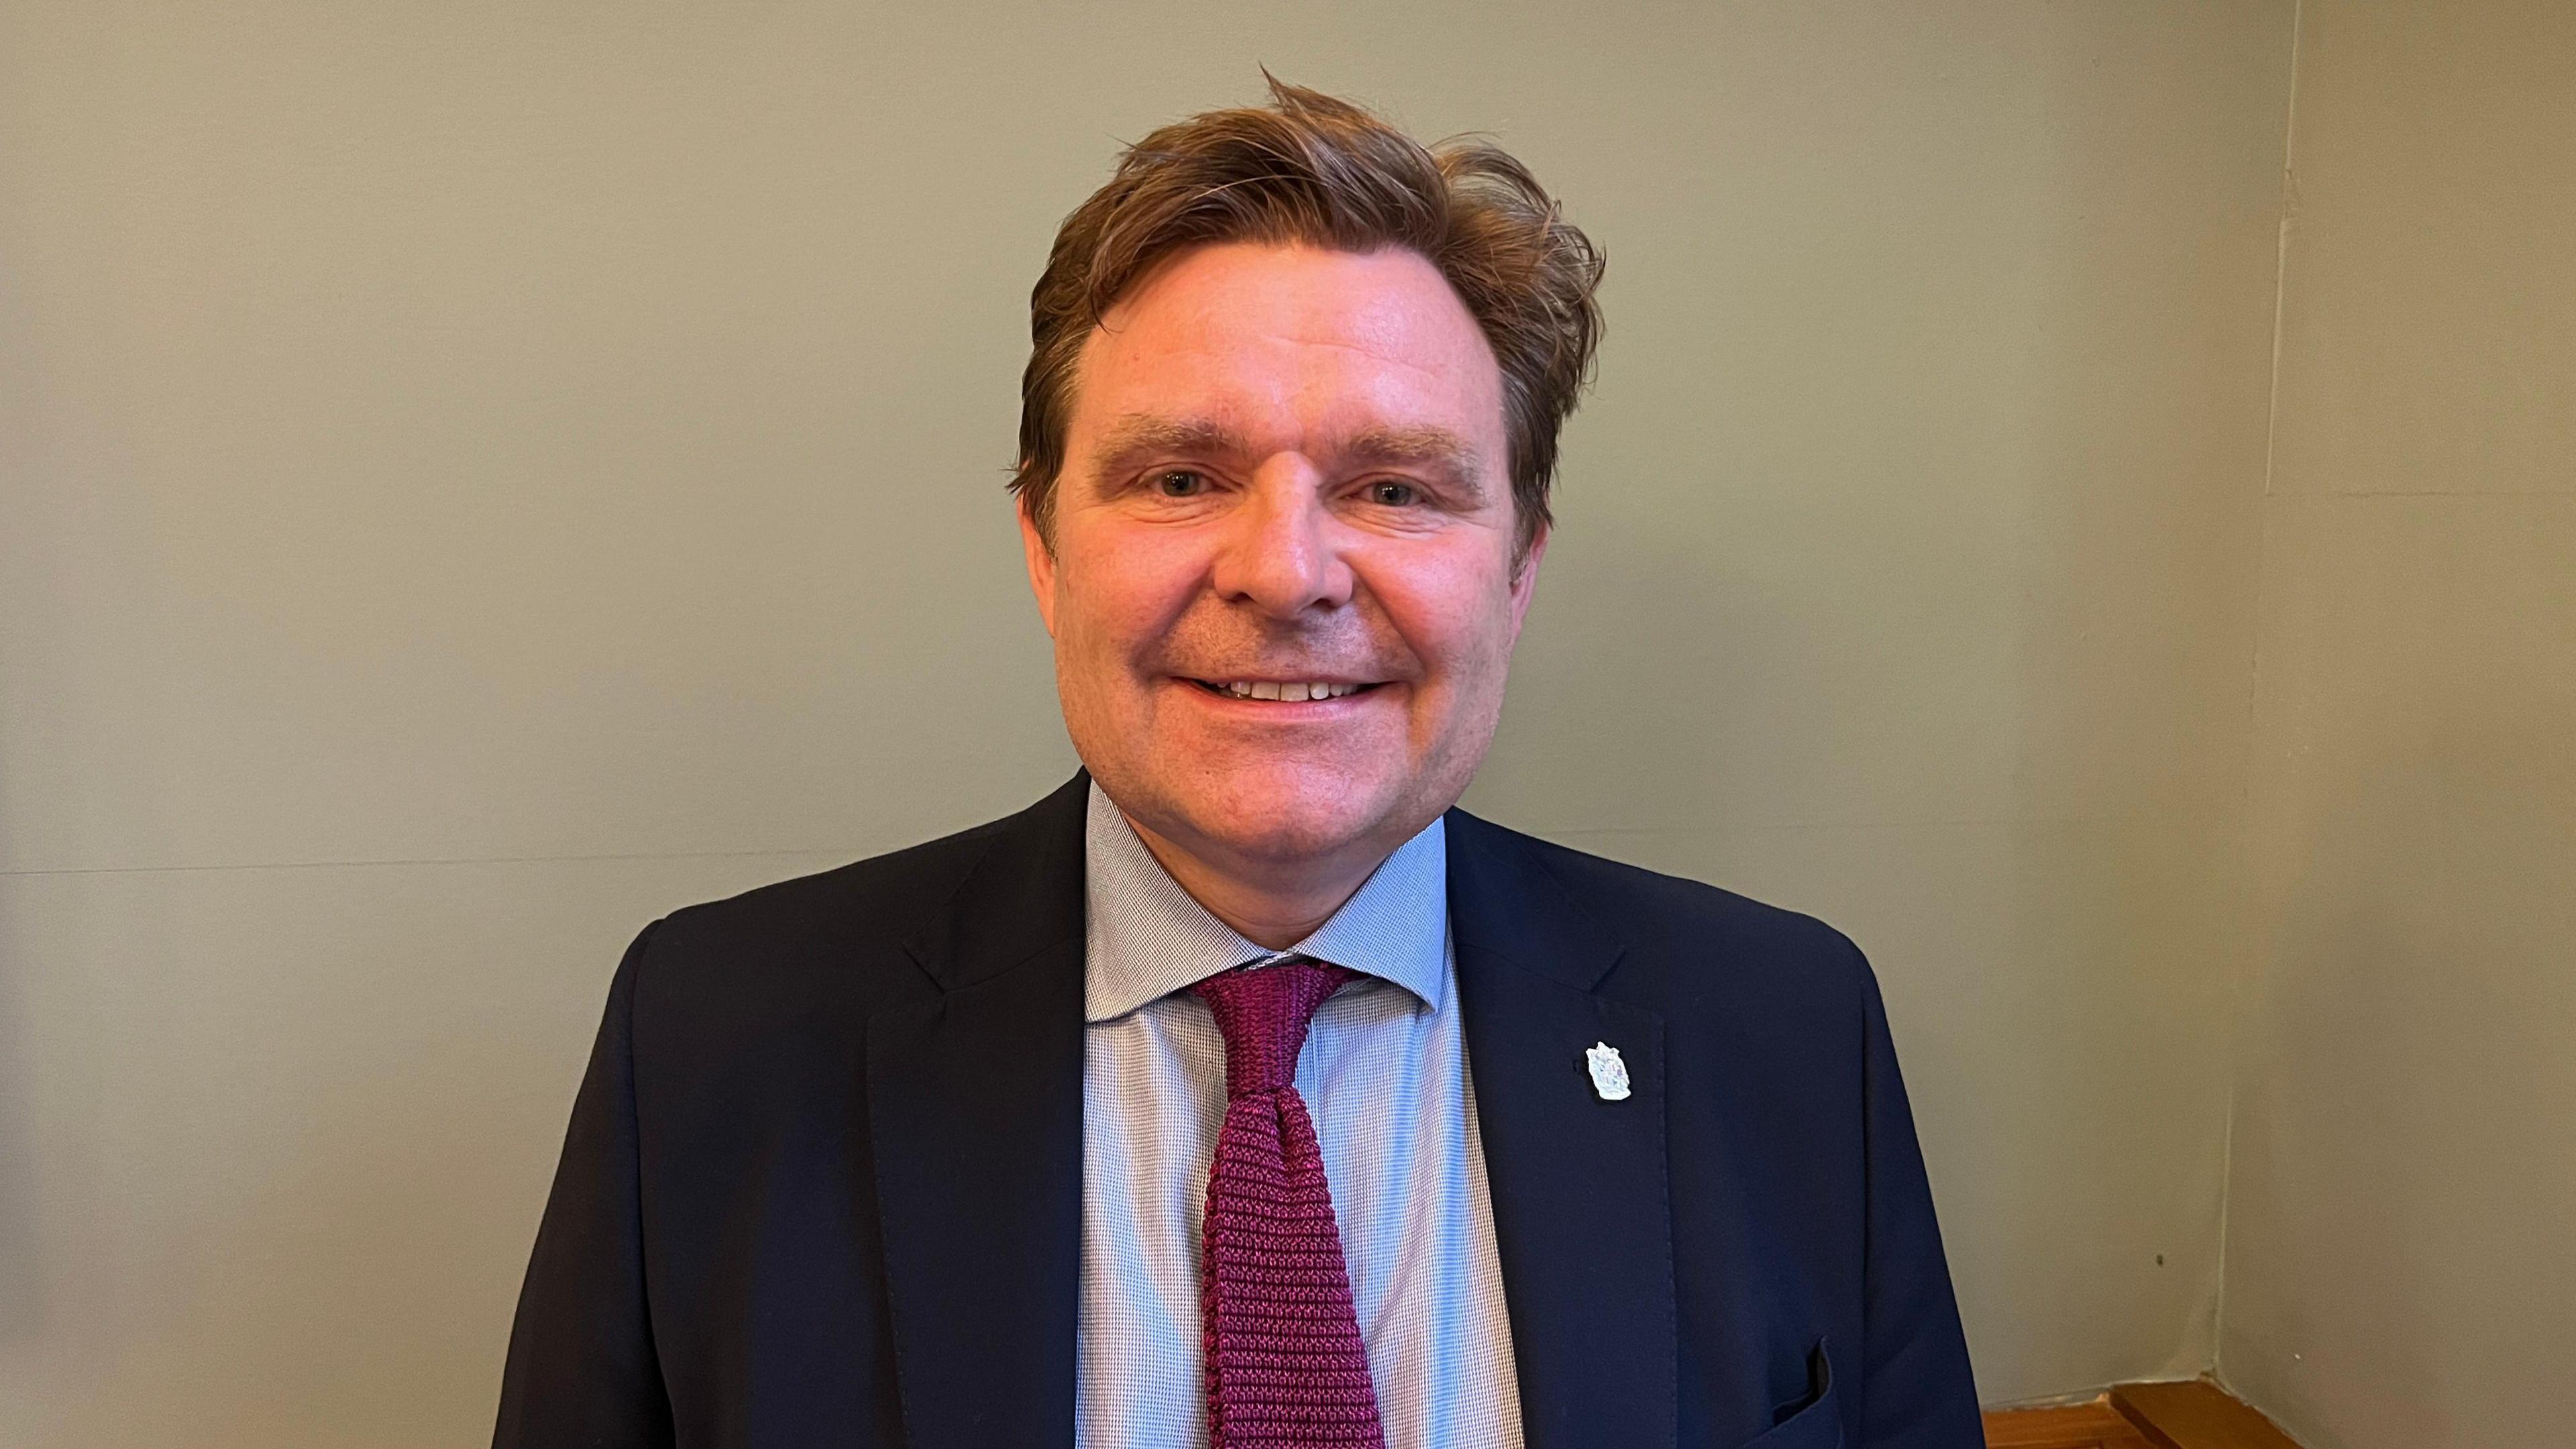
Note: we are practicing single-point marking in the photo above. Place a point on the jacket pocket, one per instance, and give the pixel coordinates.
(1816, 1424)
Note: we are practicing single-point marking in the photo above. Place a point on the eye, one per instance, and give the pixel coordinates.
(1180, 483)
(1392, 492)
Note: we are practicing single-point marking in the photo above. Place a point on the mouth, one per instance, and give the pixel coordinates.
(1284, 691)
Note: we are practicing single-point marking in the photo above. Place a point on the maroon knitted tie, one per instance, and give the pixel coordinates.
(1285, 1366)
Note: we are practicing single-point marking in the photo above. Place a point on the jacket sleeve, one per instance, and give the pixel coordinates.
(1917, 1389)
(581, 1368)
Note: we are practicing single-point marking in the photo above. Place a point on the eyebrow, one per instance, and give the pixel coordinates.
(1451, 459)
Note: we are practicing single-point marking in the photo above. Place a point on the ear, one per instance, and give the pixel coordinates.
(1041, 560)
(1525, 580)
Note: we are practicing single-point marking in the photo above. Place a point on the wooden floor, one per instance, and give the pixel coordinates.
(2197, 1415)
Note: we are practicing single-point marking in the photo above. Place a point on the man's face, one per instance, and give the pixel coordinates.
(1284, 468)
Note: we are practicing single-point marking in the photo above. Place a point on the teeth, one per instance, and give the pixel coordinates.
(1294, 693)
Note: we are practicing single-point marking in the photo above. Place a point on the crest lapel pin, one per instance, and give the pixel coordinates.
(1609, 1073)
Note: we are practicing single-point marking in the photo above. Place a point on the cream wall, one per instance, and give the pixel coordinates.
(478, 476)
(2401, 1254)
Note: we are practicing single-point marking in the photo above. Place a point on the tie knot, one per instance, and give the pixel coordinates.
(1264, 1012)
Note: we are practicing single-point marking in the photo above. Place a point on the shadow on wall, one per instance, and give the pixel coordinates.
(22, 1302)
(22, 1285)
(2346, 980)
(2402, 1173)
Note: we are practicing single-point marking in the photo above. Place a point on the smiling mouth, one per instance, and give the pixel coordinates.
(1291, 692)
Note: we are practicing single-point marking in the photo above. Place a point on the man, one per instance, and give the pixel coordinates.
(1243, 1091)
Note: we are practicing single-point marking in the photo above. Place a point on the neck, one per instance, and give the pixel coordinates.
(1272, 905)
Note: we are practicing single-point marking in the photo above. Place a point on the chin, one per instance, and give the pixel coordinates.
(1283, 815)
(1309, 836)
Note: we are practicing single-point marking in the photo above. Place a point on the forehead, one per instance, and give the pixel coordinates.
(1289, 343)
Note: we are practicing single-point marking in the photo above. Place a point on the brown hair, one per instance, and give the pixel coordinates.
(1311, 169)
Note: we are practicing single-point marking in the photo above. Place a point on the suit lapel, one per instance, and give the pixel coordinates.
(1582, 1214)
(975, 1107)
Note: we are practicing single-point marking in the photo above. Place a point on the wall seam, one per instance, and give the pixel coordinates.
(2234, 1055)
(375, 863)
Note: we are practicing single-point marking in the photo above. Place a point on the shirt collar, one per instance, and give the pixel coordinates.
(1147, 938)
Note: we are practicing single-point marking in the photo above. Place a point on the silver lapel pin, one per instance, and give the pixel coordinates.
(1609, 1074)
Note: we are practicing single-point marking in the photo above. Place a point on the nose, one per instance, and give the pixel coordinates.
(1279, 554)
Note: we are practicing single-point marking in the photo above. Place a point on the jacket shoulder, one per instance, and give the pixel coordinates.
(879, 900)
(788, 957)
(1686, 941)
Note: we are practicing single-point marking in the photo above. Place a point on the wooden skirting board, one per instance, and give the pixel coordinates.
(2196, 1415)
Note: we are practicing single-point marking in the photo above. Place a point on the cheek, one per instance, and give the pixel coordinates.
(1115, 597)
(1452, 610)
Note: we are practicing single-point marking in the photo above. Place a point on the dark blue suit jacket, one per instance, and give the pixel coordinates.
(822, 1184)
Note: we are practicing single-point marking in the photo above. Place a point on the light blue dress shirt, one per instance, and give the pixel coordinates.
(1384, 1073)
